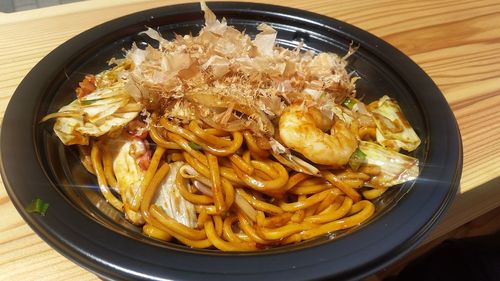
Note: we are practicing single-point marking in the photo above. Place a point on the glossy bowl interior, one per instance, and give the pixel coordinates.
(82, 226)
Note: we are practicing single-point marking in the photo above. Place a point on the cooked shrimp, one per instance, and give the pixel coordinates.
(299, 131)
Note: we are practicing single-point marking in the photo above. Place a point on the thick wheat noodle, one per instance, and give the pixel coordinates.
(348, 190)
(210, 209)
(229, 193)
(325, 203)
(309, 211)
(270, 168)
(264, 185)
(175, 226)
(134, 217)
(160, 141)
(153, 166)
(179, 131)
(298, 205)
(310, 189)
(244, 237)
(279, 233)
(228, 232)
(367, 210)
(95, 156)
(217, 132)
(228, 150)
(107, 162)
(334, 206)
(218, 151)
(202, 167)
(218, 196)
(261, 175)
(353, 183)
(202, 218)
(332, 212)
(245, 167)
(152, 231)
(229, 174)
(219, 225)
(253, 146)
(207, 137)
(299, 215)
(260, 218)
(258, 204)
(200, 244)
(247, 156)
(205, 171)
(160, 174)
(288, 222)
(273, 221)
(313, 181)
(249, 230)
(356, 208)
(176, 156)
(193, 198)
(295, 180)
(184, 144)
(374, 193)
(292, 239)
(221, 244)
(318, 208)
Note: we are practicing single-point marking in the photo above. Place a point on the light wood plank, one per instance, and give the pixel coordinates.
(456, 42)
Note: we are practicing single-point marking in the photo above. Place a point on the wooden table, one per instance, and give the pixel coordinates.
(456, 42)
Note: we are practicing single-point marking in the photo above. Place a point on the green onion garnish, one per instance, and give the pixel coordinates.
(349, 102)
(87, 102)
(194, 145)
(38, 206)
(357, 158)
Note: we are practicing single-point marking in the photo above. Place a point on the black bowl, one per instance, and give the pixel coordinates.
(81, 226)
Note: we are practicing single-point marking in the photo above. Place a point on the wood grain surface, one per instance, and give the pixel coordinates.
(456, 42)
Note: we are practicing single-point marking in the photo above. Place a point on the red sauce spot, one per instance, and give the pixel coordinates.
(87, 86)
(137, 128)
(144, 160)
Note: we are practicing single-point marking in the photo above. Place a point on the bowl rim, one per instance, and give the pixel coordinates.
(65, 229)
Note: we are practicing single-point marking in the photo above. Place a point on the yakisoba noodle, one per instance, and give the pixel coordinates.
(224, 141)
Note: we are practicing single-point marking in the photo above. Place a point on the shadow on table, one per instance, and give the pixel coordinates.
(467, 259)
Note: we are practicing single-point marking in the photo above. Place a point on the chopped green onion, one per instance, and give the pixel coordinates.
(357, 158)
(349, 102)
(87, 102)
(38, 206)
(194, 145)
